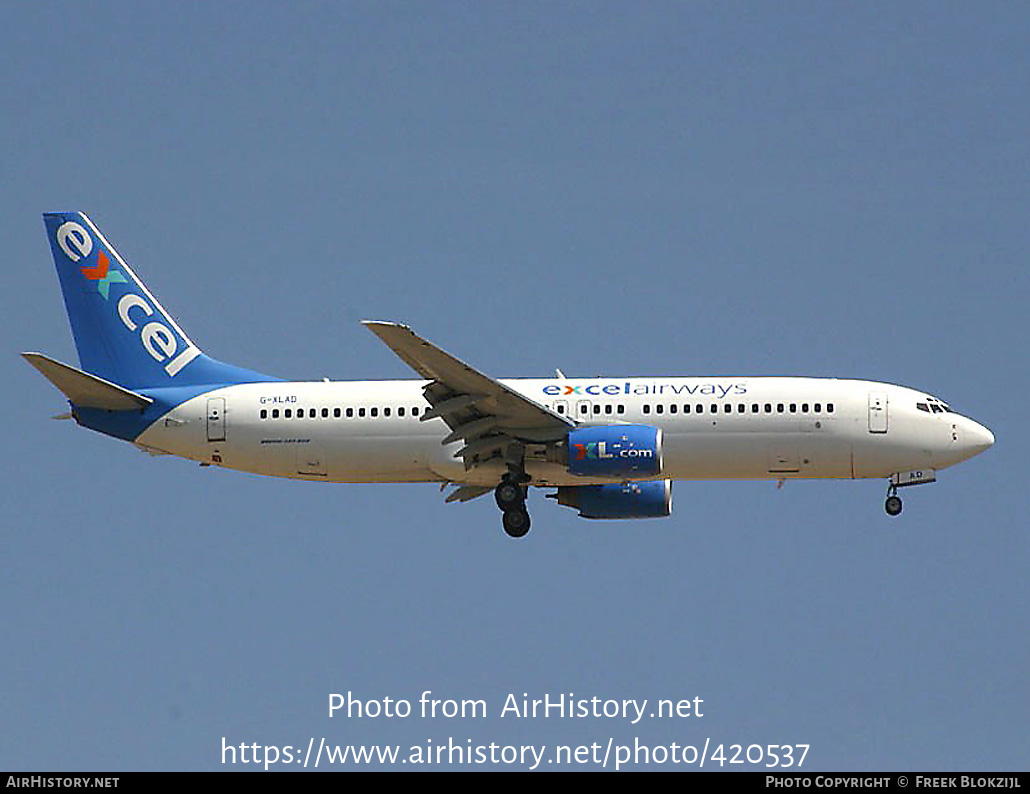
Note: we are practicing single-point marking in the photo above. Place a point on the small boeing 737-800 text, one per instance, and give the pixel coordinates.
(611, 447)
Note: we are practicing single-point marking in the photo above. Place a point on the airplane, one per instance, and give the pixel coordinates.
(610, 447)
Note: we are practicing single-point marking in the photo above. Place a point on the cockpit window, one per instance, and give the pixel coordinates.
(934, 405)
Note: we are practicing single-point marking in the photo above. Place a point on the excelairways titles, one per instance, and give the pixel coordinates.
(717, 390)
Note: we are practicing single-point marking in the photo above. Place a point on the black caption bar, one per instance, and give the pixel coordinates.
(752, 781)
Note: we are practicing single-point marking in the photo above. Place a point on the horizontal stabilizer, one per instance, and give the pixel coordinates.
(85, 390)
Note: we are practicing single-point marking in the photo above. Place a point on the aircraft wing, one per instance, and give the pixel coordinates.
(481, 411)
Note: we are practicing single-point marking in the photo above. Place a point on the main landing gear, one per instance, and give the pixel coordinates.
(510, 494)
(516, 522)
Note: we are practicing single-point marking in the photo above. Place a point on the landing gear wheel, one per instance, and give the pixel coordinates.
(509, 495)
(516, 522)
(893, 505)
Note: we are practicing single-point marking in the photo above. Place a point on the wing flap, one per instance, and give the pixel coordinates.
(464, 493)
(461, 394)
(483, 412)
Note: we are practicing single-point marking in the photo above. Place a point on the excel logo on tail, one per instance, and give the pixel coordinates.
(77, 243)
(102, 274)
(134, 310)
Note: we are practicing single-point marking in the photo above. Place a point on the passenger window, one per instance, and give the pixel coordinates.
(829, 408)
(336, 413)
(561, 409)
(793, 408)
(818, 408)
(374, 412)
(597, 409)
(361, 412)
(350, 413)
(583, 409)
(727, 408)
(400, 411)
(779, 408)
(621, 409)
(325, 413)
(768, 408)
(647, 409)
(715, 408)
(288, 413)
(414, 411)
(741, 408)
(275, 413)
(754, 408)
(659, 408)
(386, 412)
(264, 413)
(804, 408)
(608, 408)
(672, 408)
(686, 408)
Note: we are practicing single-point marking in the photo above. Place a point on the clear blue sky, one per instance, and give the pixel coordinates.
(610, 188)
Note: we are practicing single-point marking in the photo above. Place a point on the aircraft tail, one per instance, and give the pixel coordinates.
(122, 333)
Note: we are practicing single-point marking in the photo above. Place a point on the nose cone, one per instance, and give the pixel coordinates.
(966, 440)
(972, 437)
(977, 437)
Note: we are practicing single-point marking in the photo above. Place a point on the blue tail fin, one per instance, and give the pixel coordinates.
(121, 331)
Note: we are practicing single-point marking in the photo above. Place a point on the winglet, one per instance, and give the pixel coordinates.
(403, 341)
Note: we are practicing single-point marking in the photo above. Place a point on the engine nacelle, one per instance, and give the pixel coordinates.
(615, 451)
(628, 500)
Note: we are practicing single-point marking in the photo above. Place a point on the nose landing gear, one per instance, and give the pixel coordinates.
(904, 479)
(893, 503)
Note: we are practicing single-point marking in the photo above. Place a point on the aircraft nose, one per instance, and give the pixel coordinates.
(977, 437)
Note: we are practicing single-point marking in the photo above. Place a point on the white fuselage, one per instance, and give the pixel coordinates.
(713, 428)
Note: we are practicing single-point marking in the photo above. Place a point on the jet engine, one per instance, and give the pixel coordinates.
(615, 451)
(622, 500)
